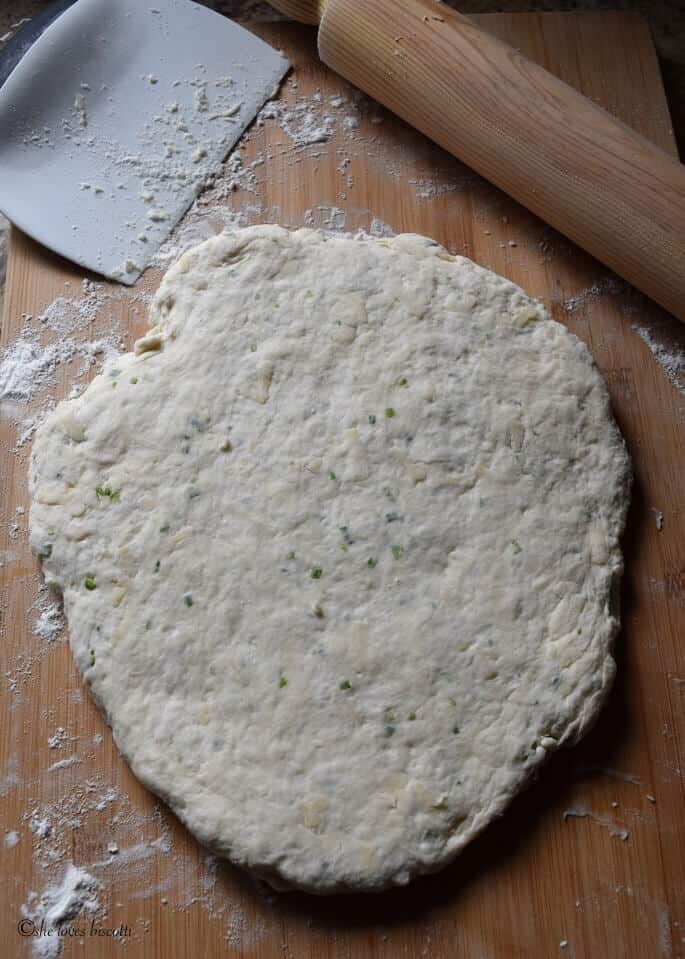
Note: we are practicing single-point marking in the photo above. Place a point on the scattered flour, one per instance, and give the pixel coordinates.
(64, 763)
(39, 826)
(11, 839)
(608, 286)
(200, 223)
(664, 336)
(380, 228)
(308, 121)
(26, 366)
(60, 338)
(581, 811)
(331, 217)
(140, 837)
(59, 737)
(136, 853)
(429, 189)
(67, 315)
(29, 366)
(135, 847)
(303, 123)
(58, 904)
(50, 621)
(669, 354)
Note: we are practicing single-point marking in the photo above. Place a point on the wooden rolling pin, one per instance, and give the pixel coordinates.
(586, 173)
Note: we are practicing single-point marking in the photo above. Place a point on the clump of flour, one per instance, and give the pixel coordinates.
(25, 366)
(308, 121)
(11, 839)
(59, 904)
(302, 122)
(50, 620)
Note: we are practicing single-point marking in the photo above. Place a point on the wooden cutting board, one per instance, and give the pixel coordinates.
(591, 860)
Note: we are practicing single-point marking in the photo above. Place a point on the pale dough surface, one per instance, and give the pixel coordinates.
(337, 545)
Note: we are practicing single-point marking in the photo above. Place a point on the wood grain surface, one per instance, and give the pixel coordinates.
(608, 881)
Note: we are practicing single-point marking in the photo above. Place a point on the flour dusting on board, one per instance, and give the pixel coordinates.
(201, 222)
(312, 120)
(28, 366)
(301, 122)
(608, 286)
(667, 350)
(12, 838)
(23, 367)
(132, 847)
(60, 903)
(664, 336)
(61, 338)
(49, 622)
(302, 127)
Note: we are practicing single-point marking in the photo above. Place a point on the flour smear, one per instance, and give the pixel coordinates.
(667, 351)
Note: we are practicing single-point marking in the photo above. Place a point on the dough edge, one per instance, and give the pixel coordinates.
(229, 244)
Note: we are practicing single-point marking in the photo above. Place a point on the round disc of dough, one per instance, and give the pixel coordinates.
(337, 546)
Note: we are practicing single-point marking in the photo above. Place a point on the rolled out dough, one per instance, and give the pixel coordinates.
(337, 545)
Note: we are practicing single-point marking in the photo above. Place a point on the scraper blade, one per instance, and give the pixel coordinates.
(115, 118)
